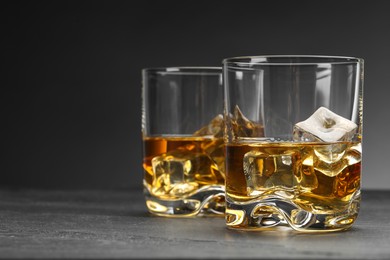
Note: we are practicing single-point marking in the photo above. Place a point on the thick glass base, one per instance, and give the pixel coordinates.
(272, 212)
(206, 201)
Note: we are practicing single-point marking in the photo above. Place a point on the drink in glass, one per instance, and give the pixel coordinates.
(301, 168)
(182, 127)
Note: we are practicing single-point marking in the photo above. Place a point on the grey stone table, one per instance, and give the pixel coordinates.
(115, 224)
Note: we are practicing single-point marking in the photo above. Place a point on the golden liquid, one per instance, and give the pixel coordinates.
(318, 177)
(202, 159)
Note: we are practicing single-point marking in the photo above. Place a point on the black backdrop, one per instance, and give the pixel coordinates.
(71, 83)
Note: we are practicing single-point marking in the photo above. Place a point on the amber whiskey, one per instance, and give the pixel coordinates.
(304, 185)
(180, 172)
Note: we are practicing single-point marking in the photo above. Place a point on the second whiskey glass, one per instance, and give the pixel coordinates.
(182, 127)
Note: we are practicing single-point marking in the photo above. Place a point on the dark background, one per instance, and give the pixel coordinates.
(71, 82)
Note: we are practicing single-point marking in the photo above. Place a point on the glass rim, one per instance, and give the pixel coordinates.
(184, 70)
(263, 60)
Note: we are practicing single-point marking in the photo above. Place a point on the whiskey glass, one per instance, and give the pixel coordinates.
(182, 130)
(293, 142)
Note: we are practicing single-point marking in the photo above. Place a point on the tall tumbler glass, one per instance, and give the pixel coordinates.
(293, 142)
(182, 127)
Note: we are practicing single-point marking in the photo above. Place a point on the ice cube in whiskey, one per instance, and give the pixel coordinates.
(323, 195)
(182, 176)
(265, 170)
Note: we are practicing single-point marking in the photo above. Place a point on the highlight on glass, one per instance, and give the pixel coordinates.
(293, 142)
(182, 128)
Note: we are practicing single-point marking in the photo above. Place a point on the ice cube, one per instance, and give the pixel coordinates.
(324, 125)
(215, 148)
(334, 158)
(243, 127)
(214, 128)
(263, 171)
(328, 159)
(354, 155)
(306, 177)
(330, 153)
(172, 175)
(181, 172)
(204, 170)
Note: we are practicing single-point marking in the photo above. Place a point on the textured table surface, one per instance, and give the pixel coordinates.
(115, 224)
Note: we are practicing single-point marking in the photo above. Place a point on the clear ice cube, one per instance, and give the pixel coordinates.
(354, 154)
(215, 148)
(324, 125)
(332, 159)
(181, 172)
(214, 128)
(172, 175)
(330, 153)
(243, 127)
(263, 171)
(215, 151)
(307, 178)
